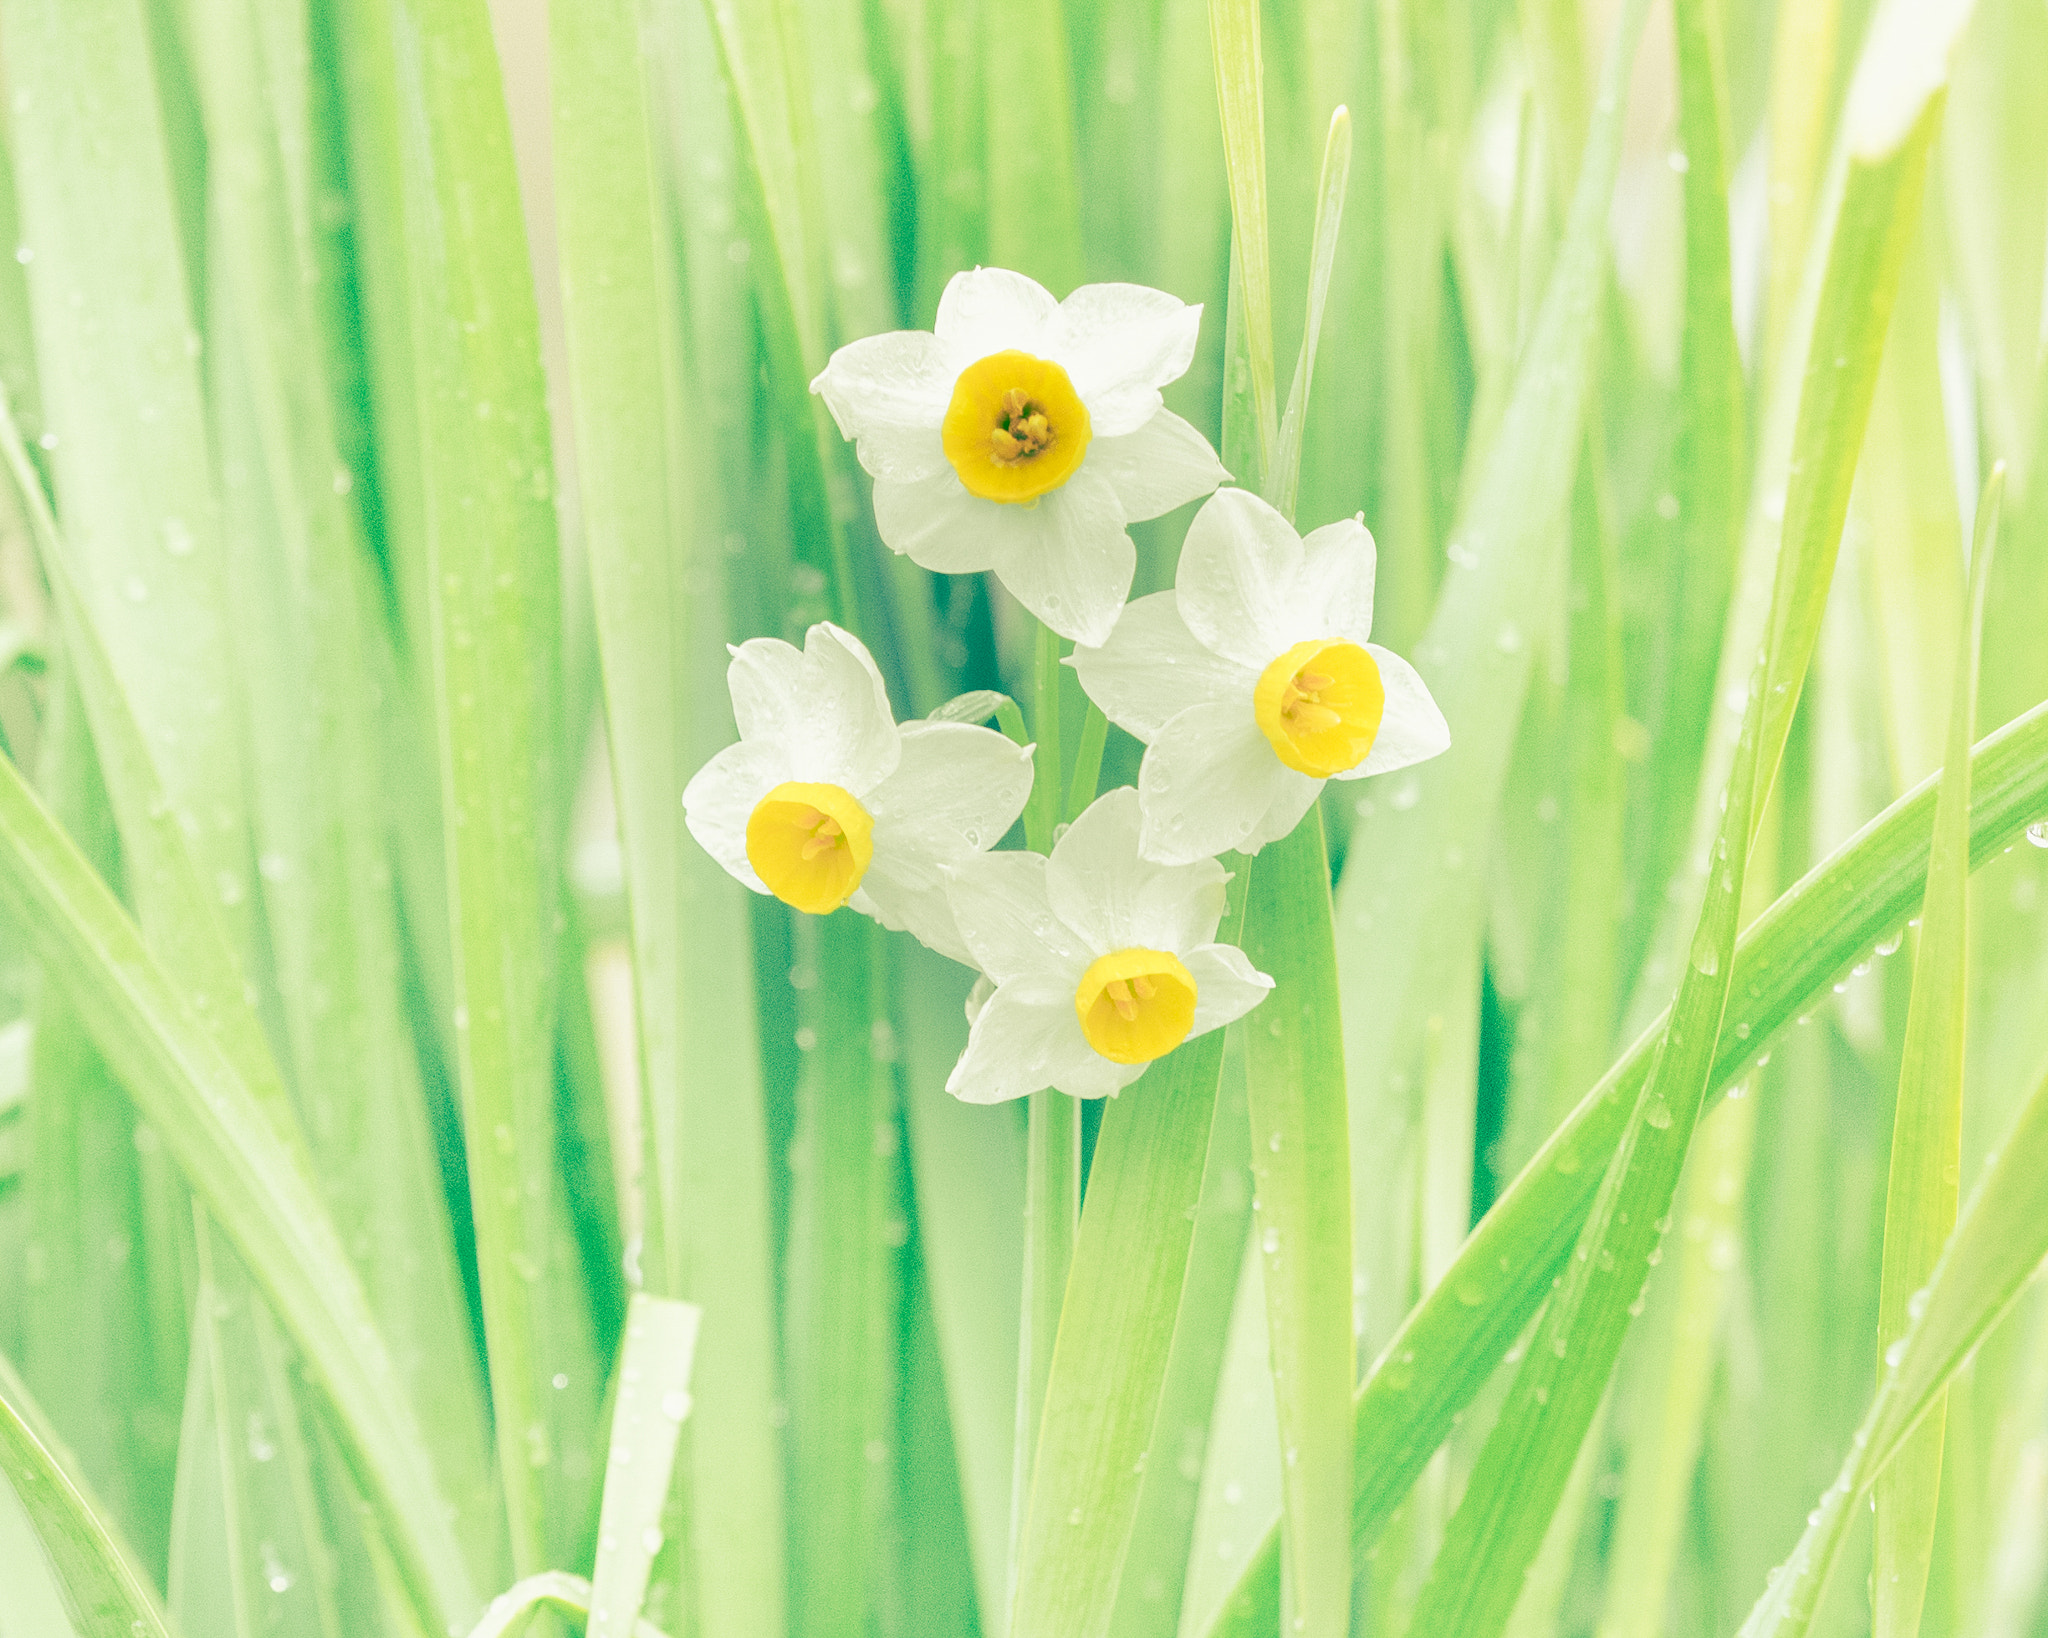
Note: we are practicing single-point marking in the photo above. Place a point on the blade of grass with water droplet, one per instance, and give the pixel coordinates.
(1336, 176)
(310, 625)
(191, 1056)
(1528, 1455)
(647, 1420)
(494, 619)
(1448, 1347)
(1927, 1130)
(1129, 1271)
(104, 1587)
(1997, 1248)
(968, 1170)
(249, 1550)
(1248, 380)
(660, 619)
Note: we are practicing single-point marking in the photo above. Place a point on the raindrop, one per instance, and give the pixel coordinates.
(650, 1540)
(560, 1380)
(136, 589)
(2037, 833)
(675, 1404)
(1890, 946)
(1658, 1115)
(177, 537)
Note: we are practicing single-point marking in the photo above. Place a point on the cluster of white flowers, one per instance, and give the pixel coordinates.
(1021, 438)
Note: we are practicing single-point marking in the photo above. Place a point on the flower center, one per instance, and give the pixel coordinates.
(1136, 1005)
(1016, 429)
(811, 844)
(1320, 704)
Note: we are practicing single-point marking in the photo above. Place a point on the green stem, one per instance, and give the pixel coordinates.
(1044, 812)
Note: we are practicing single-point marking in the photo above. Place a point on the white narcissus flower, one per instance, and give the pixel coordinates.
(1024, 434)
(1252, 682)
(1101, 960)
(827, 801)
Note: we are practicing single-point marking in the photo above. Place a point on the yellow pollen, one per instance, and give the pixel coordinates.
(1136, 1005)
(1016, 429)
(810, 844)
(1319, 706)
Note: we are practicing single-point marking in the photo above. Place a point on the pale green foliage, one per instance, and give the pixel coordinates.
(407, 402)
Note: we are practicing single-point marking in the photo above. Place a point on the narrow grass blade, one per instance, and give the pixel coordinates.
(38, 1599)
(1240, 96)
(1034, 210)
(1679, 1361)
(310, 624)
(1409, 903)
(647, 1420)
(122, 398)
(1997, 1248)
(1285, 480)
(969, 1173)
(1193, 1430)
(105, 1588)
(1927, 1131)
(1450, 1345)
(1522, 1472)
(512, 1610)
(1527, 1458)
(1300, 1157)
(249, 1549)
(1130, 1267)
(1709, 470)
(840, 1324)
(493, 607)
(185, 1084)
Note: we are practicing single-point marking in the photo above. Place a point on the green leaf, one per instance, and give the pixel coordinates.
(1034, 213)
(647, 1420)
(103, 1585)
(1301, 1173)
(1240, 96)
(1449, 1346)
(1997, 1248)
(1927, 1130)
(840, 1322)
(968, 1170)
(494, 636)
(1286, 476)
(1129, 1269)
(309, 625)
(186, 1082)
(512, 1610)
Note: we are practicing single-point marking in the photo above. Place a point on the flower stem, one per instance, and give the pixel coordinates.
(1044, 812)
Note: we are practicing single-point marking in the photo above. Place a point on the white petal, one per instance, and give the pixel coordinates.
(1152, 669)
(721, 796)
(956, 791)
(1237, 576)
(991, 310)
(1163, 464)
(1334, 595)
(1120, 343)
(1006, 920)
(890, 392)
(1227, 986)
(826, 705)
(1412, 729)
(1027, 1038)
(1211, 782)
(1099, 885)
(936, 524)
(1067, 559)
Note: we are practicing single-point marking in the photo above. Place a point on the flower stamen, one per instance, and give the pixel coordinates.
(1319, 706)
(1136, 1005)
(810, 845)
(1016, 429)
